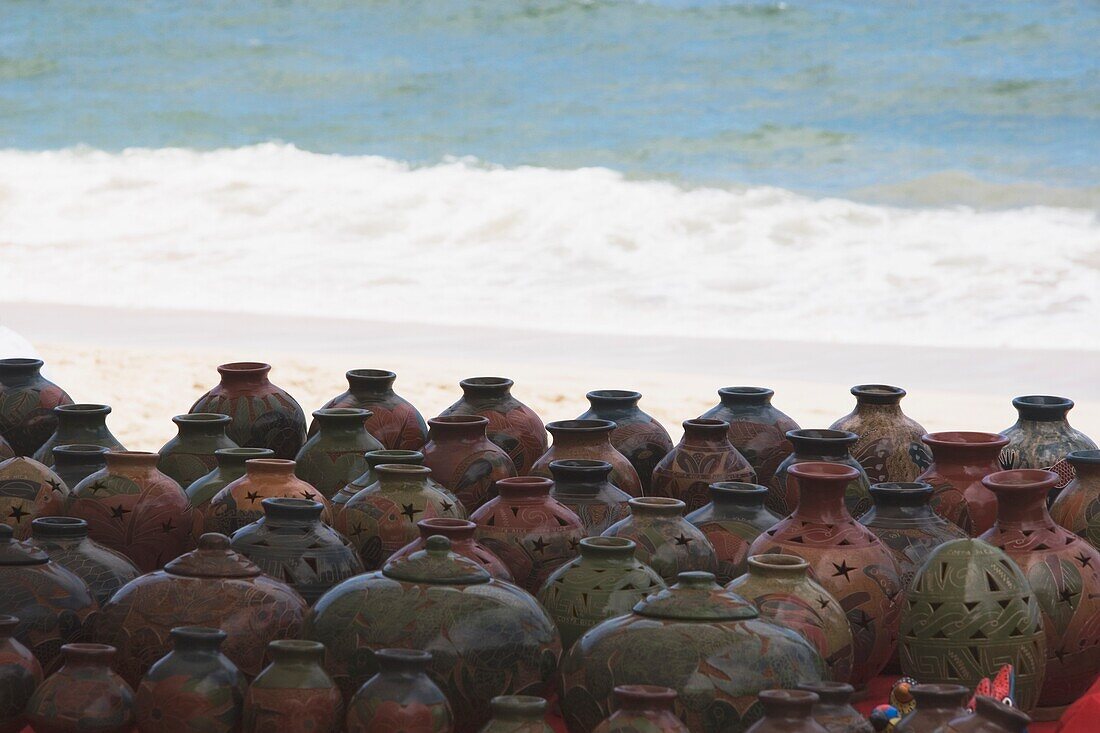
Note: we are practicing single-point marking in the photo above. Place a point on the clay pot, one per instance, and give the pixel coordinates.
(230, 467)
(381, 519)
(394, 421)
(133, 508)
(591, 440)
(889, 446)
(819, 446)
(376, 458)
(240, 502)
(533, 534)
(833, 710)
(693, 637)
(76, 462)
(643, 709)
(665, 541)
(603, 581)
(193, 687)
(968, 611)
(84, 696)
(1042, 437)
(66, 541)
(960, 460)
(335, 454)
(638, 436)
(757, 429)
(6, 451)
(846, 558)
(461, 534)
(1064, 573)
(464, 460)
(210, 586)
(783, 592)
(401, 697)
(518, 714)
(702, 457)
(936, 706)
(735, 516)
(190, 455)
(20, 675)
(990, 716)
(441, 602)
(29, 489)
(585, 488)
(1077, 508)
(27, 399)
(83, 424)
(294, 694)
(264, 416)
(513, 426)
(291, 543)
(787, 711)
(53, 605)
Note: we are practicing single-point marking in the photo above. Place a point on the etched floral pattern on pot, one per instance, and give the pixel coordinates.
(84, 695)
(702, 457)
(513, 426)
(401, 697)
(664, 539)
(829, 446)
(28, 489)
(638, 436)
(589, 440)
(889, 446)
(294, 694)
(191, 454)
(336, 453)
(735, 516)
(393, 421)
(464, 460)
(757, 429)
(27, 399)
(585, 487)
(66, 541)
(85, 424)
(1077, 508)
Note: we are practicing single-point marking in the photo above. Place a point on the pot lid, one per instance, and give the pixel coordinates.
(212, 559)
(437, 565)
(696, 597)
(14, 552)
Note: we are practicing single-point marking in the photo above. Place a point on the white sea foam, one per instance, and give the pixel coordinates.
(273, 229)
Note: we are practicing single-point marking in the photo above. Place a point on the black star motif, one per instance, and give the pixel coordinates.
(540, 546)
(54, 484)
(252, 496)
(305, 494)
(842, 569)
(446, 505)
(823, 602)
(18, 513)
(1083, 559)
(357, 530)
(574, 543)
(683, 541)
(1067, 595)
(167, 527)
(410, 511)
(118, 512)
(97, 486)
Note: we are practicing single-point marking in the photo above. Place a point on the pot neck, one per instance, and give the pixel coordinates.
(773, 565)
(296, 651)
(613, 401)
(821, 488)
(608, 549)
(940, 696)
(263, 468)
(403, 661)
(457, 428)
(397, 476)
(341, 421)
(197, 639)
(705, 433)
(1008, 718)
(283, 510)
(456, 530)
(1086, 463)
(823, 443)
(131, 462)
(234, 459)
(645, 697)
(787, 704)
(371, 382)
(82, 416)
(209, 424)
(576, 473)
(244, 374)
(656, 507)
(19, 370)
(965, 446)
(376, 458)
(737, 495)
(878, 398)
(55, 529)
(903, 499)
(1042, 408)
(8, 625)
(80, 454)
(830, 693)
(88, 655)
(524, 489)
(742, 396)
(477, 389)
(1022, 497)
(518, 708)
(580, 432)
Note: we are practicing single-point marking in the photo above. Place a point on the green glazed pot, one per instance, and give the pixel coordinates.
(230, 467)
(735, 516)
(1042, 437)
(81, 423)
(518, 714)
(369, 476)
(1077, 508)
(828, 446)
(638, 436)
(394, 421)
(665, 541)
(643, 709)
(75, 462)
(66, 541)
(334, 455)
(585, 487)
(401, 697)
(293, 694)
(27, 399)
(757, 429)
(191, 454)
(84, 696)
(889, 446)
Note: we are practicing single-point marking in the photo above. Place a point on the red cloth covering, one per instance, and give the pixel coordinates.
(1083, 716)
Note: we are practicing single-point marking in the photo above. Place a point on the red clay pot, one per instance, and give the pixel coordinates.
(757, 429)
(464, 460)
(513, 426)
(588, 439)
(960, 460)
(461, 534)
(702, 457)
(240, 502)
(394, 421)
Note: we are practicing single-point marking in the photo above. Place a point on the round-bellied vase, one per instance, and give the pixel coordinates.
(393, 421)
(190, 455)
(702, 457)
(889, 446)
(590, 440)
(960, 460)
(28, 489)
(210, 586)
(513, 426)
(664, 539)
(230, 467)
(757, 429)
(828, 446)
(518, 714)
(833, 710)
(264, 416)
(75, 462)
(241, 502)
(84, 424)
(788, 711)
(335, 454)
(1042, 437)
(401, 697)
(84, 695)
(585, 487)
(603, 581)
(735, 516)
(20, 675)
(638, 436)
(989, 716)
(461, 533)
(846, 558)
(294, 694)
(133, 508)
(464, 460)
(66, 541)
(27, 399)
(373, 459)
(936, 706)
(1077, 507)
(696, 638)
(643, 709)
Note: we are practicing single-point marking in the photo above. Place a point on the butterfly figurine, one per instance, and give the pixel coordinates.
(1001, 688)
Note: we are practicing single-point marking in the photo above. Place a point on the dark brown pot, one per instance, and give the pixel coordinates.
(394, 421)
(294, 694)
(833, 709)
(29, 489)
(27, 399)
(83, 424)
(990, 716)
(401, 697)
(936, 706)
(461, 533)
(702, 457)
(638, 436)
(585, 487)
(828, 446)
(336, 454)
(787, 711)
(75, 462)
(374, 459)
(241, 502)
(66, 541)
(513, 426)
(191, 454)
(20, 674)
(590, 440)
(757, 429)
(464, 460)
(665, 540)
(84, 696)
(960, 460)
(643, 709)
(518, 714)
(1078, 506)
(735, 516)
(889, 446)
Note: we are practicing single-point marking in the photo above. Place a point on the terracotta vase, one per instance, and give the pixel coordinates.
(264, 416)
(27, 399)
(990, 716)
(78, 424)
(665, 540)
(757, 429)
(1078, 506)
(846, 558)
(464, 460)
(29, 489)
(394, 421)
(461, 533)
(376, 458)
(783, 592)
(20, 675)
(833, 710)
(696, 638)
(585, 488)
(133, 508)
(702, 457)
(401, 697)
(513, 426)
(66, 541)
(638, 436)
(1064, 573)
(603, 581)
(1042, 437)
(788, 711)
(240, 502)
(192, 688)
(441, 602)
(735, 516)
(294, 694)
(518, 714)
(827, 446)
(210, 586)
(190, 455)
(936, 706)
(230, 467)
(381, 519)
(84, 695)
(53, 605)
(643, 709)
(889, 446)
(590, 440)
(533, 534)
(968, 611)
(76, 462)
(335, 455)
(960, 460)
